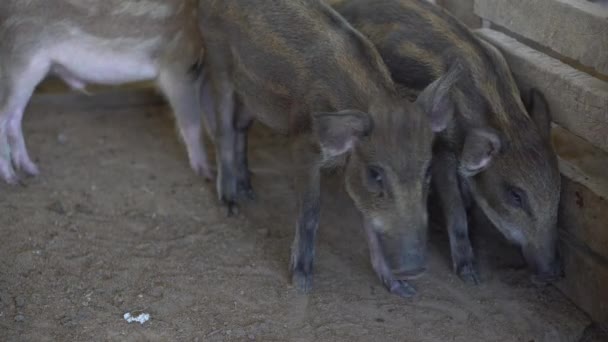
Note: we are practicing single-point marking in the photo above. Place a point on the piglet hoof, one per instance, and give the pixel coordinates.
(468, 274)
(203, 170)
(301, 281)
(12, 179)
(29, 168)
(208, 178)
(8, 175)
(232, 208)
(401, 288)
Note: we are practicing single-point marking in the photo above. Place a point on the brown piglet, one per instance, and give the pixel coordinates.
(496, 150)
(300, 68)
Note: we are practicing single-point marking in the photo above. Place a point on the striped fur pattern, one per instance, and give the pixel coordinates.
(496, 149)
(299, 67)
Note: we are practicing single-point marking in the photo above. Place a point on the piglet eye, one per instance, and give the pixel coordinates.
(375, 177)
(516, 197)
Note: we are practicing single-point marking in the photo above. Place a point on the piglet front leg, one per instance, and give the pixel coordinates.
(446, 182)
(308, 193)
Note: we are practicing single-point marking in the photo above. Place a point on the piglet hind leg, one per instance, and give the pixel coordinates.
(225, 142)
(21, 159)
(180, 89)
(395, 286)
(303, 247)
(15, 91)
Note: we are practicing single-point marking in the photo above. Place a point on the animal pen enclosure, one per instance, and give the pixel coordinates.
(117, 223)
(560, 46)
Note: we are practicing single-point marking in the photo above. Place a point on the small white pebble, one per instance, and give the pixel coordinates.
(141, 318)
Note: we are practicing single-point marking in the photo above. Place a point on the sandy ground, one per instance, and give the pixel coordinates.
(117, 223)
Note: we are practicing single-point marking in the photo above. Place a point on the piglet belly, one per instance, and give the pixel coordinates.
(78, 64)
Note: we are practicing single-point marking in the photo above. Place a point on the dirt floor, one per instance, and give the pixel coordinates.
(118, 223)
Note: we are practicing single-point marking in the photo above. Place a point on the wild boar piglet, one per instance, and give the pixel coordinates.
(298, 67)
(495, 150)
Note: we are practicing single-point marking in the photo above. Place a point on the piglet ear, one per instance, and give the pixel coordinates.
(537, 106)
(338, 131)
(480, 147)
(435, 100)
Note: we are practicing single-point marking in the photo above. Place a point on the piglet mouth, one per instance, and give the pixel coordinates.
(409, 274)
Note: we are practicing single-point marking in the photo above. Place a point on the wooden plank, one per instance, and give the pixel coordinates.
(583, 222)
(575, 29)
(578, 101)
(462, 10)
